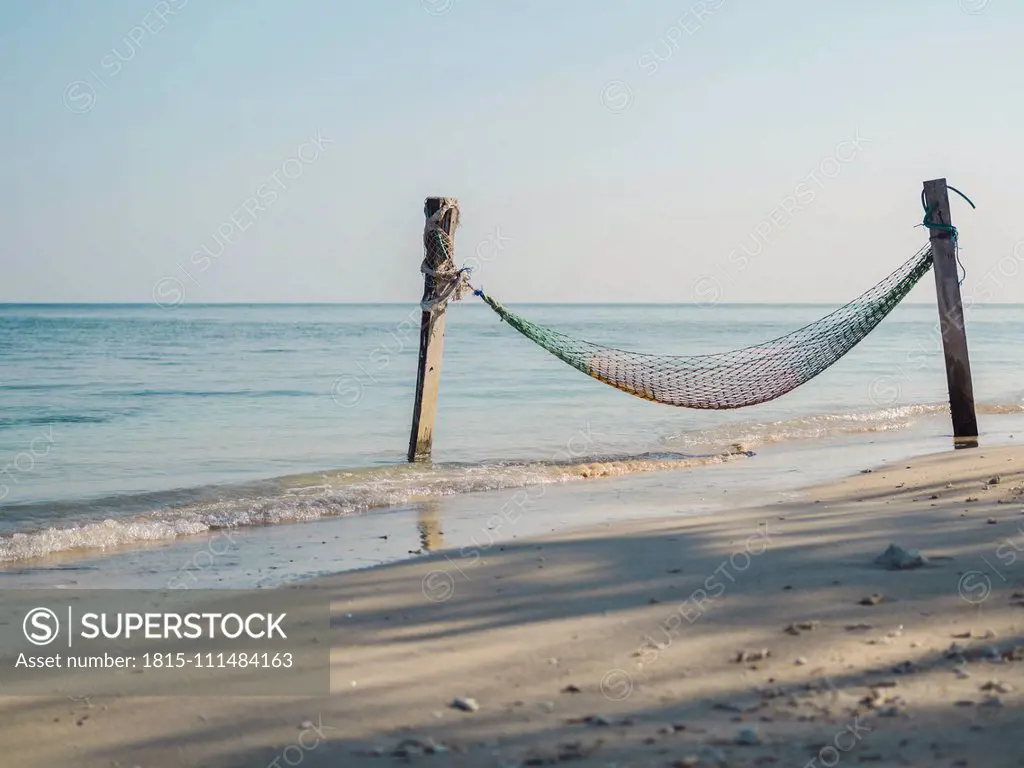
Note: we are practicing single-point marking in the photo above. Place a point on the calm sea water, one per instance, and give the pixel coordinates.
(128, 424)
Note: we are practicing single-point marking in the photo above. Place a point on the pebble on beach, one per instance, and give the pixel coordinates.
(897, 558)
(465, 704)
(743, 656)
(801, 626)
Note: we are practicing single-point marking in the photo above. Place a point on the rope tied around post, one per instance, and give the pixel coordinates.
(954, 235)
(445, 282)
(449, 285)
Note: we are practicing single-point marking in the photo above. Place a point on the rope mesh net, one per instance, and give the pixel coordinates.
(443, 281)
(736, 379)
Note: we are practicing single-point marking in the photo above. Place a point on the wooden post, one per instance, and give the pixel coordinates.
(428, 370)
(951, 317)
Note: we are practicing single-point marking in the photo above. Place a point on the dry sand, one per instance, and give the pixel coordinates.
(598, 647)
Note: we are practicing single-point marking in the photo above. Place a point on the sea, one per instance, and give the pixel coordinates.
(249, 446)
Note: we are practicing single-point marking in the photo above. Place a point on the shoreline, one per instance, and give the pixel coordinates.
(271, 555)
(608, 610)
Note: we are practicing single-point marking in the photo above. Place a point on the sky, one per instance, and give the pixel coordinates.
(600, 150)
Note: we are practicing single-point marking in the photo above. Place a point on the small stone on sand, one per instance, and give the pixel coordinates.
(801, 626)
(465, 704)
(898, 558)
(998, 686)
(744, 656)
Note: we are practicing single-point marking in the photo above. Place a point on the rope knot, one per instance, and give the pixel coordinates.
(449, 285)
(447, 282)
(949, 229)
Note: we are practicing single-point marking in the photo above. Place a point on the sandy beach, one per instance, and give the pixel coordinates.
(764, 636)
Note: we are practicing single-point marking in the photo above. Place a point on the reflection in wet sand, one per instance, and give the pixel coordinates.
(431, 535)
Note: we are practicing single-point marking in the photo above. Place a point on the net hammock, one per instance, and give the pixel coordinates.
(719, 381)
(735, 379)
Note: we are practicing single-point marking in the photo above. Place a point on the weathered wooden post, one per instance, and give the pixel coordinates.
(442, 214)
(951, 315)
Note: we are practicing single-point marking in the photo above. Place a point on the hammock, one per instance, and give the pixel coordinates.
(736, 379)
(724, 380)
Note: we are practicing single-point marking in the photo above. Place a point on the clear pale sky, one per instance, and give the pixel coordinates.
(622, 150)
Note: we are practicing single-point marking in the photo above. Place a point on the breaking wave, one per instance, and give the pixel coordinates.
(336, 493)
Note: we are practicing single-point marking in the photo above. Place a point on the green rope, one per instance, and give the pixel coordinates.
(965, 197)
(954, 235)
